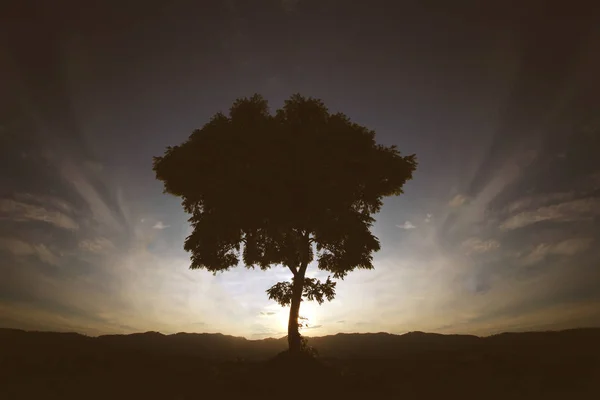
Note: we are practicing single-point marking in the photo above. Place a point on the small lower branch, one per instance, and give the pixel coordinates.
(293, 270)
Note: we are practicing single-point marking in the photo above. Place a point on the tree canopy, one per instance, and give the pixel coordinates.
(283, 189)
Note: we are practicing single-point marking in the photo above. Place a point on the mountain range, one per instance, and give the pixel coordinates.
(151, 365)
(340, 346)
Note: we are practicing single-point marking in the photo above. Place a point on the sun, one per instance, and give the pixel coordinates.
(308, 310)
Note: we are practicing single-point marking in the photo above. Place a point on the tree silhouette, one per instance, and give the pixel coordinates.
(281, 189)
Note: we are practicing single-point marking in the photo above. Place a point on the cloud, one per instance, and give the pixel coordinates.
(457, 201)
(538, 201)
(98, 245)
(575, 210)
(160, 225)
(428, 218)
(19, 211)
(407, 225)
(569, 247)
(44, 200)
(536, 255)
(477, 246)
(572, 246)
(267, 313)
(88, 184)
(23, 249)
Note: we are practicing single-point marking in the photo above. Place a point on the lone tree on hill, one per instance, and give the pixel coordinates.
(281, 189)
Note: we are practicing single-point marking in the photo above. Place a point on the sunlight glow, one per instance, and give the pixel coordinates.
(308, 309)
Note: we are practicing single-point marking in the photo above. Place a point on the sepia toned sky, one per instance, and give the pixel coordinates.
(498, 230)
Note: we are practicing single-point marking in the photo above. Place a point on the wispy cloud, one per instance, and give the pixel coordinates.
(406, 225)
(569, 247)
(572, 246)
(45, 201)
(457, 200)
(160, 225)
(22, 249)
(97, 245)
(478, 246)
(104, 214)
(19, 211)
(529, 202)
(575, 210)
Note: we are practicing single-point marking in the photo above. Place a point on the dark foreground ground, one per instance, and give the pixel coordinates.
(549, 365)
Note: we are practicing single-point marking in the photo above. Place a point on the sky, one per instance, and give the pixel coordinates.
(498, 230)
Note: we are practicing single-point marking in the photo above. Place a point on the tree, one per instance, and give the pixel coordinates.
(281, 189)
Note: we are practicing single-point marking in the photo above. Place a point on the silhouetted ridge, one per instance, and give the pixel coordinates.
(342, 345)
(154, 365)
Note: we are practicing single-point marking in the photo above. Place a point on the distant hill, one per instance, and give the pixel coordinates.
(341, 346)
(532, 365)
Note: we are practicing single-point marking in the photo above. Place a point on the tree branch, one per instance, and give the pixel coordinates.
(304, 262)
(293, 270)
(302, 269)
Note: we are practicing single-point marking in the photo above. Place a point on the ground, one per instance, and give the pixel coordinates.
(527, 368)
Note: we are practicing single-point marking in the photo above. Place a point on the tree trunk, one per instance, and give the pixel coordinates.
(294, 340)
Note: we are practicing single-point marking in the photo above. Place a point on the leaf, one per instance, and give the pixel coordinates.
(313, 290)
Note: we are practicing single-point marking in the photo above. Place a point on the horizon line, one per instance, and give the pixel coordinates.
(313, 337)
